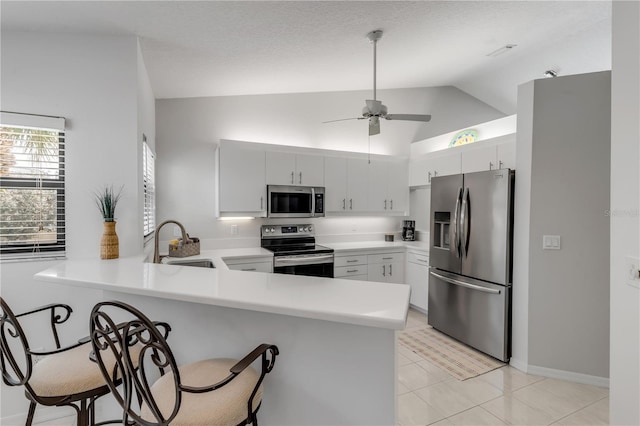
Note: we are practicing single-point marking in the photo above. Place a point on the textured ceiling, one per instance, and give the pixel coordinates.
(214, 48)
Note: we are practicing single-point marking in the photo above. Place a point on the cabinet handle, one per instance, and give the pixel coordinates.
(385, 204)
(387, 258)
(352, 261)
(248, 269)
(350, 203)
(384, 270)
(422, 260)
(291, 178)
(500, 163)
(391, 204)
(490, 165)
(261, 203)
(429, 177)
(390, 270)
(351, 271)
(300, 178)
(435, 173)
(344, 204)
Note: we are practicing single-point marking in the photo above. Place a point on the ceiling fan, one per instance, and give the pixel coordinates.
(374, 109)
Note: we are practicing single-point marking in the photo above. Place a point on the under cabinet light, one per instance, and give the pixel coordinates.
(236, 218)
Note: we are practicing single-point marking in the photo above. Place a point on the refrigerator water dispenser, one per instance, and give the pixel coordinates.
(441, 223)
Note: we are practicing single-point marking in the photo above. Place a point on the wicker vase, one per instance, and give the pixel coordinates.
(109, 245)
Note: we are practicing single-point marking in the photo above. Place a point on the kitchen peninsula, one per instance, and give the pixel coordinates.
(336, 337)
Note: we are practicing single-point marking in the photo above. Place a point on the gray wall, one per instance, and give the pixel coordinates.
(625, 222)
(568, 289)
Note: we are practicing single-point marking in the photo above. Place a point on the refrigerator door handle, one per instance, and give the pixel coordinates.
(467, 285)
(464, 220)
(456, 214)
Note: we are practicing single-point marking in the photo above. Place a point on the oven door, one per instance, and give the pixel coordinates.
(290, 201)
(316, 266)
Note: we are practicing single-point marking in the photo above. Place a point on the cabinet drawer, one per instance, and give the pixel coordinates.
(420, 259)
(355, 277)
(253, 267)
(349, 261)
(386, 258)
(346, 271)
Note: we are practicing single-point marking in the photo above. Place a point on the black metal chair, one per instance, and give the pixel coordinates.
(210, 392)
(61, 377)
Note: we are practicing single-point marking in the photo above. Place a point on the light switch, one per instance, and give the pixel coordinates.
(551, 242)
(632, 271)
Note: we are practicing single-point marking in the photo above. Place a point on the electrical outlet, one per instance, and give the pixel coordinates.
(234, 229)
(177, 232)
(354, 227)
(632, 271)
(551, 242)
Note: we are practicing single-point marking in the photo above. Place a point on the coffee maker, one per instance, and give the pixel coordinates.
(408, 230)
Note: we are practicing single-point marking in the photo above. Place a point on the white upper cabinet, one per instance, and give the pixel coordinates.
(357, 185)
(499, 153)
(422, 169)
(388, 187)
(242, 186)
(294, 169)
(335, 183)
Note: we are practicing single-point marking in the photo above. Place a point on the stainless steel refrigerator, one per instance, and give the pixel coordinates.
(470, 259)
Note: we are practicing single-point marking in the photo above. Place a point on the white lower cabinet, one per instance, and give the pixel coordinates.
(386, 267)
(418, 279)
(253, 265)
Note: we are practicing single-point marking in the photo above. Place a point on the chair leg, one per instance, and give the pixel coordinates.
(32, 411)
(83, 415)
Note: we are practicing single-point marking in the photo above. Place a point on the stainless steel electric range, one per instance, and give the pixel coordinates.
(295, 250)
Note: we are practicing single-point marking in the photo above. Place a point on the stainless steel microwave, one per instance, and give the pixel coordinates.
(295, 201)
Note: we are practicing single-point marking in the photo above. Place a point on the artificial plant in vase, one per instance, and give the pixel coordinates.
(107, 200)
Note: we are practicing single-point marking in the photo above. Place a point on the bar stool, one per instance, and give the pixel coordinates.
(62, 377)
(210, 392)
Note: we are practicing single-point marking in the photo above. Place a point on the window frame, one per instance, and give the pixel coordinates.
(148, 190)
(36, 250)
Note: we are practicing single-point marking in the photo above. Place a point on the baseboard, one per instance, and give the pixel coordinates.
(518, 364)
(569, 376)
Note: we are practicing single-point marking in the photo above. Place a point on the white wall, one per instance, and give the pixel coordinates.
(566, 179)
(189, 129)
(93, 82)
(625, 222)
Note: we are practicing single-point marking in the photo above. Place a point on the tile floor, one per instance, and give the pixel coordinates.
(429, 396)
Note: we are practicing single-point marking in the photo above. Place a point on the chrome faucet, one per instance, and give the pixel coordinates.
(156, 253)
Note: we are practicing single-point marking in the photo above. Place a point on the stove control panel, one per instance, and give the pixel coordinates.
(304, 230)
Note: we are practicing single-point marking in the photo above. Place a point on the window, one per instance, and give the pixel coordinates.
(149, 188)
(32, 192)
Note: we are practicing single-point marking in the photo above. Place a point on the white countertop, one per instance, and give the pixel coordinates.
(376, 245)
(364, 303)
(218, 256)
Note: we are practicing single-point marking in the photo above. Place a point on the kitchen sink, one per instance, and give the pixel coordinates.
(200, 263)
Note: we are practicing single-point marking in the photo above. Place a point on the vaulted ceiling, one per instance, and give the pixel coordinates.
(225, 48)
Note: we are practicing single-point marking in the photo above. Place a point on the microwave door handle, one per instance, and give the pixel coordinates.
(313, 202)
(456, 226)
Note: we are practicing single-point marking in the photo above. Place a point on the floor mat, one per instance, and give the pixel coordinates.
(457, 359)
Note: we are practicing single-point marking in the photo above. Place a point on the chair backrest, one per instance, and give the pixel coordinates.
(15, 356)
(131, 351)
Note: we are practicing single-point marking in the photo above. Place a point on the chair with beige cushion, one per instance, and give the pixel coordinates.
(64, 376)
(219, 391)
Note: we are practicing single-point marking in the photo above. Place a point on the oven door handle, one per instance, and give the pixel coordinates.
(287, 261)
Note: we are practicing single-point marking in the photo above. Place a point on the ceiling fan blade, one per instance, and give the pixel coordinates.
(408, 117)
(374, 126)
(343, 119)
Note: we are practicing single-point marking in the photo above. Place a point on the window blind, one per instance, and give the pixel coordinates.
(32, 186)
(149, 189)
